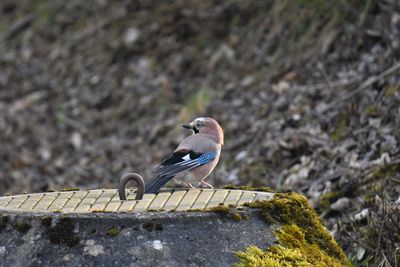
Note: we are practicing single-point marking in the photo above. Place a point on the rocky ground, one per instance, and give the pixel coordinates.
(308, 93)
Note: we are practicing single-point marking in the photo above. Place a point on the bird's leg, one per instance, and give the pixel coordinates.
(207, 184)
(190, 186)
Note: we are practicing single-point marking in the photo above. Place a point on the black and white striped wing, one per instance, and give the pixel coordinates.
(181, 161)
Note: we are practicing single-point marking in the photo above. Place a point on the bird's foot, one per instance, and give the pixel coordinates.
(190, 186)
(206, 184)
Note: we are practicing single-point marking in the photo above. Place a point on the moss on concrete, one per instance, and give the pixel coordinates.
(222, 209)
(291, 249)
(249, 188)
(113, 232)
(238, 217)
(22, 226)
(302, 240)
(67, 189)
(229, 211)
(63, 233)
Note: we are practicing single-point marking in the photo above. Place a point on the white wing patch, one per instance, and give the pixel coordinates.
(187, 157)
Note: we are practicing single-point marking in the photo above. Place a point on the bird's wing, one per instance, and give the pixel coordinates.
(183, 160)
(180, 161)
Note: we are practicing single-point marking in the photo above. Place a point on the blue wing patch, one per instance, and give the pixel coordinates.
(206, 157)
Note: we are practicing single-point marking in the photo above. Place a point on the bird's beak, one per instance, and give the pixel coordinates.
(188, 126)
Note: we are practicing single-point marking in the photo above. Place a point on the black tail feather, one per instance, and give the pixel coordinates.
(154, 185)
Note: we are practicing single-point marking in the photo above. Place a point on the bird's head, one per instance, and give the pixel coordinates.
(206, 125)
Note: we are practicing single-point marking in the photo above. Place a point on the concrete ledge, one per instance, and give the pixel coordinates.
(118, 239)
(95, 228)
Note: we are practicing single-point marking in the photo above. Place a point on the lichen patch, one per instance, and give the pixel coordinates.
(157, 244)
(92, 248)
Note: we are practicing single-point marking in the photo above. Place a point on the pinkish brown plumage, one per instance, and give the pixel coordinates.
(195, 158)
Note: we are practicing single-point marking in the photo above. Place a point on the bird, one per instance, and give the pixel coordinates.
(194, 158)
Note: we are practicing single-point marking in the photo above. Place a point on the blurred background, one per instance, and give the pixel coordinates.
(308, 93)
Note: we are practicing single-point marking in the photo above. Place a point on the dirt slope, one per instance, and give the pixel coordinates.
(307, 91)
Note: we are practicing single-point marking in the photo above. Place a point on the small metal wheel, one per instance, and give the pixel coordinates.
(125, 179)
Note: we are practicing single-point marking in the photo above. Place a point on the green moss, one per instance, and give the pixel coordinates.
(222, 209)
(228, 211)
(98, 211)
(239, 217)
(46, 221)
(67, 189)
(113, 231)
(63, 233)
(302, 238)
(195, 210)
(292, 249)
(22, 226)
(249, 188)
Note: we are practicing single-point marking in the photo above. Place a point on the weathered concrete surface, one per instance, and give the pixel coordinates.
(95, 228)
(128, 239)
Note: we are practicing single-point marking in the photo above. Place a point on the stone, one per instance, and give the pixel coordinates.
(154, 239)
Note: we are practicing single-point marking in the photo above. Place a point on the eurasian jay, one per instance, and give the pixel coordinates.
(195, 157)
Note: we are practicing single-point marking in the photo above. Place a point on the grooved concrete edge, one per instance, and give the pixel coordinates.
(107, 200)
